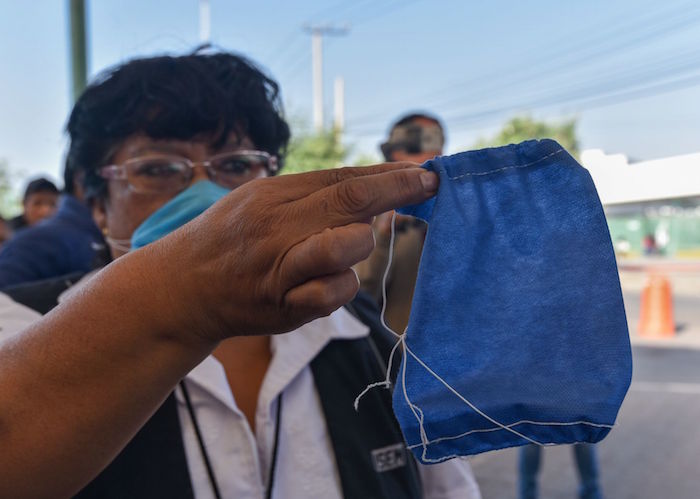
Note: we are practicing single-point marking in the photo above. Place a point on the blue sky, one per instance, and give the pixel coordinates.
(474, 63)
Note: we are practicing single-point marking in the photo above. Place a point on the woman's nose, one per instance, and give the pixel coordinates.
(199, 172)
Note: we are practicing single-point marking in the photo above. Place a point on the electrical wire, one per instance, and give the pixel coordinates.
(639, 30)
(291, 40)
(611, 80)
(380, 12)
(587, 100)
(502, 85)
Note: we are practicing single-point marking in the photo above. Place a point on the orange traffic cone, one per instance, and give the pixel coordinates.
(656, 315)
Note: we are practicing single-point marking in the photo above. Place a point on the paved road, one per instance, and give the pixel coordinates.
(653, 453)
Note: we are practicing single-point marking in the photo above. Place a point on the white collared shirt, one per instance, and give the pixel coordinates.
(306, 466)
(14, 316)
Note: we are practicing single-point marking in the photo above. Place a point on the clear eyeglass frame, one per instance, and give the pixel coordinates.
(166, 173)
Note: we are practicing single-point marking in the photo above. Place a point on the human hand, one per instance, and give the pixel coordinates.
(277, 252)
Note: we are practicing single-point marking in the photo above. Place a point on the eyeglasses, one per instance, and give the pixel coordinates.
(158, 174)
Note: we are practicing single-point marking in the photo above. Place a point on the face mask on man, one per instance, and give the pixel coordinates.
(184, 207)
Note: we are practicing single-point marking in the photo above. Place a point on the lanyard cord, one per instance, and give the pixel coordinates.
(200, 441)
(205, 455)
(275, 447)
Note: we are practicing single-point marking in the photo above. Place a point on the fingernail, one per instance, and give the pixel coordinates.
(429, 181)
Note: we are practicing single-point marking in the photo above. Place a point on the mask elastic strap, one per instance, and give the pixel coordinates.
(119, 244)
(387, 381)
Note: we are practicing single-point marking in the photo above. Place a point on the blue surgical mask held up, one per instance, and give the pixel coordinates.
(517, 333)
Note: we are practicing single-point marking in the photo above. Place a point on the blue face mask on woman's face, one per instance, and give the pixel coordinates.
(184, 207)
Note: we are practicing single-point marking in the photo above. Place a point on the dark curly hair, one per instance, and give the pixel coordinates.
(172, 97)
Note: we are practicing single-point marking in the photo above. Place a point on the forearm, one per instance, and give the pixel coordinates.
(80, 383)
(77, 386)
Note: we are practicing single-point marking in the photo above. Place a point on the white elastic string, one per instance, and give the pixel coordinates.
(463, 399)
(523, 421)
(417, 412)
(425, 441)
(386, 276)
(387, 380)
(119, 244)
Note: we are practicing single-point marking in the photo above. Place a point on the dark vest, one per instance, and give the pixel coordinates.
(368, 445)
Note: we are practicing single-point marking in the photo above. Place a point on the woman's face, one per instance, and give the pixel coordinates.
(124, 209)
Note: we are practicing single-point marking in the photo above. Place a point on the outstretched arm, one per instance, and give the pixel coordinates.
(275, 253)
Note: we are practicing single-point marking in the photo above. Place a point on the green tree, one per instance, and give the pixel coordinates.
(314, 151)
(523, 128)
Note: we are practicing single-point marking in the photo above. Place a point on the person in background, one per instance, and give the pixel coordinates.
(68, 242)
(649, 246)
(416, 137)
(586, 463)
(39, 202)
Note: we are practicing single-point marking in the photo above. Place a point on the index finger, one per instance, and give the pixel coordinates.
(302, 184)
(361, 197)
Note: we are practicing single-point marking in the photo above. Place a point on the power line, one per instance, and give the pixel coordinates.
(289, 42)
(594, 56)
(318, 30)
(603, 45)
(292, 37)
(299, 64)
(651, 70)
(379, 12)
(340, 9)
(667, 76)
(618, 97)
(582, 101)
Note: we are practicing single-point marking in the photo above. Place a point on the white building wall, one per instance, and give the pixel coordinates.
(619, 181)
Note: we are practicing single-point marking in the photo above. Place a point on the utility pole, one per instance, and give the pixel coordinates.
(339, 107)
(317, 32)
(204, 21)
(78, 48)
